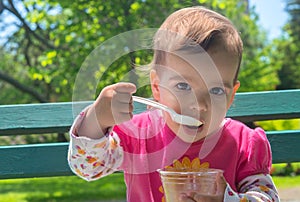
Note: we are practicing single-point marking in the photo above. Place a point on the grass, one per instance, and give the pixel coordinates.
(286, 181)
(74, 189)
(63, 189)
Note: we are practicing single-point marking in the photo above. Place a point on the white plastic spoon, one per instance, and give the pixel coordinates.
(178, 118)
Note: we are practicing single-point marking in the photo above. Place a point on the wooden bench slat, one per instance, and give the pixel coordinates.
(266, 105)
(58, 117)
(36, 160)
(46, 160)
(35, 118)
(285, 145)
(42, 118)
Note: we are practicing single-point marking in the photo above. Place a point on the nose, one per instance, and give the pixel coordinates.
(200, 104)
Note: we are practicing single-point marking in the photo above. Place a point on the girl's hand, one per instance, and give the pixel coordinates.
(218, 196)
(113, 106)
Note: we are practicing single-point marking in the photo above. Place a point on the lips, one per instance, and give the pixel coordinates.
(193, 129)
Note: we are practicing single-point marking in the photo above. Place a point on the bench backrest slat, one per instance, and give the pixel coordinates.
(57, 117)
(36, 118)
(270, 105)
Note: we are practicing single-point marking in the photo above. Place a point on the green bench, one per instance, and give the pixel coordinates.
(50, 159)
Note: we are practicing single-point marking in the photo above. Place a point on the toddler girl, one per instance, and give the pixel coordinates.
(197, 56)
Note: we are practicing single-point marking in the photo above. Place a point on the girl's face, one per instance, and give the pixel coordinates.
(198, 85)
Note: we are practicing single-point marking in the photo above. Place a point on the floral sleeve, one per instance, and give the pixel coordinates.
(92, 159)
(255, 188)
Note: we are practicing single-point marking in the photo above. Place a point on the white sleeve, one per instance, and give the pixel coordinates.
(255, 188)
(92, 159)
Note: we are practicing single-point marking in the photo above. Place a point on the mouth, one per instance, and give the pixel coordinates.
(195, 127)
(192, 132)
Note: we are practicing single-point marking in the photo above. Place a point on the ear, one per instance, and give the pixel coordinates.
(235, 88)
(154, 79)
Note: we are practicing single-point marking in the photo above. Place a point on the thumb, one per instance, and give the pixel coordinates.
(124, 87)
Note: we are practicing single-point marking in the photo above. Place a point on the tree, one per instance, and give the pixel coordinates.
(287, 50)
(53, 38)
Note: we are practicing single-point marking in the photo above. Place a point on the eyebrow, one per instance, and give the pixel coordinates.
(228, 84)
(177, 77)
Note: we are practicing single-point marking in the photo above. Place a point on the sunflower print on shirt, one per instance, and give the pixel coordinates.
(186, 163)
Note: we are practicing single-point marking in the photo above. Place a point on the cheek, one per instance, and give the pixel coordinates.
(219, 107)
(169, 99)
(180, 101)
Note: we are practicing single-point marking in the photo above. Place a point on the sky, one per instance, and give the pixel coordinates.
(271, 15)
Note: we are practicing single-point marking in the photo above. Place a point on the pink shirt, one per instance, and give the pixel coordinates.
(146, 144)
(236, 149)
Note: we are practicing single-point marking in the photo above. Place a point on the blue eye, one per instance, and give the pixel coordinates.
(183, 86)
(217, 91)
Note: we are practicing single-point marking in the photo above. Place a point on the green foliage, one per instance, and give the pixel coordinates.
(64, 33)
(286, 169)
(293, 124)
(257, 73)
(293, 9)
(287, 56)
(9, 94)
(287, 49)
(28, 139)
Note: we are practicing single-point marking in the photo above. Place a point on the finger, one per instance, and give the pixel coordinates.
(122, 103)
(200, 198)
(121, 111)
(212, 198)
(121, 107)
(122, 98)
(185, 198)
(121, 117)
(124, 87)
(123, 92)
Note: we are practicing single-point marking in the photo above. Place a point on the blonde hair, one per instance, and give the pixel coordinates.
(198, 26)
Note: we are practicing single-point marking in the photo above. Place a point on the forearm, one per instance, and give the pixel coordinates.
(90, 126)
(257, 188)
(93, 158)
